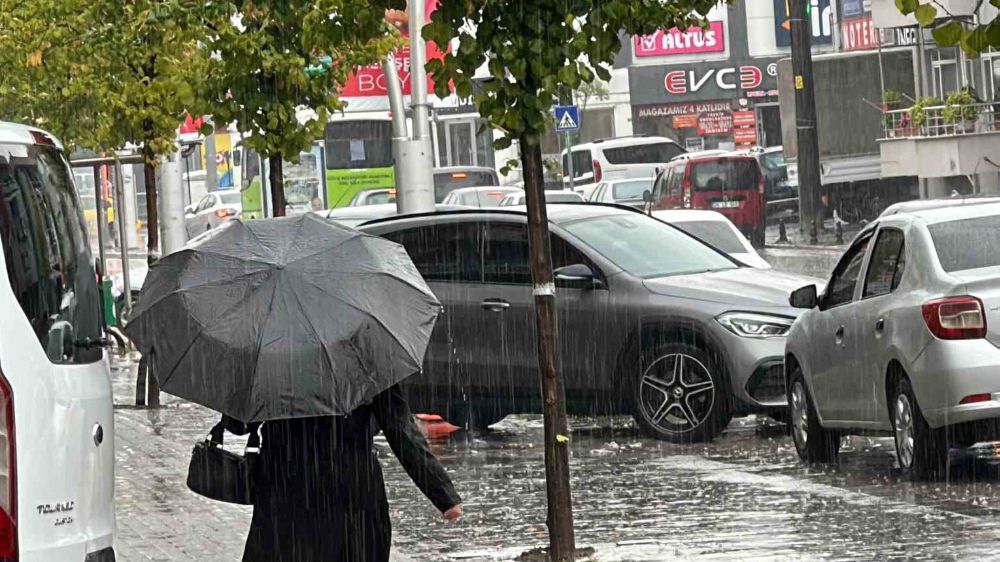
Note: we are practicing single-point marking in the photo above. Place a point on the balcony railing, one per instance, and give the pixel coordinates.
(898, 123)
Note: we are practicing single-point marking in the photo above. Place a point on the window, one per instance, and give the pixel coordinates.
(46, 252)
(442, 252)
(728, 174)
(206, 203)
(656, 153)
(562, 197)
(845, 276)
(598, 192)
(716, 233)
(352, 145)
(967, 243)
(582, 163)
(505, 255)
(231, 198)
(646, 247)
(885, 269)
(676, 181)
(630, 190)
(446, 182)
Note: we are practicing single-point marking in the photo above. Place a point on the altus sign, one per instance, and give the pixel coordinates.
(680, 82)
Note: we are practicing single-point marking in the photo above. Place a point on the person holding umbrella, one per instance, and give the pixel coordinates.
(300, 329)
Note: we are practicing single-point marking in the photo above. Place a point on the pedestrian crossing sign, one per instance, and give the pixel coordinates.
(567, 118)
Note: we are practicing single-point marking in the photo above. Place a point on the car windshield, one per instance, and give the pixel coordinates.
(646, 247)
(378, 198)
(737, 174)
(967, 243)
(631, 190)
(773, 161)
(235, 198)
(446, 182)
(716, 233)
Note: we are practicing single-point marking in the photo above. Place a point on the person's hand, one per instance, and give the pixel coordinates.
(453, 514)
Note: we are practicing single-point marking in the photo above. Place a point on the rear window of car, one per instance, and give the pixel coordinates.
(715, 233)
(654, 153)
(483, 198)
(232, 198)
(631, 190)
(967, 243)
(567, 197)
(47, 252)
(737, 174)
(446, 182)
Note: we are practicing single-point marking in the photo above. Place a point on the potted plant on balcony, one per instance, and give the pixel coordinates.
(892, 120)
(918, 114)
(960, 111)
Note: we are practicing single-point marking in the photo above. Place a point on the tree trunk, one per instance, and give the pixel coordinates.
(276, 179)
(562, 543)
(152, 386)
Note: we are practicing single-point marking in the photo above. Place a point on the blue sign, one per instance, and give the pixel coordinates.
(567, 118)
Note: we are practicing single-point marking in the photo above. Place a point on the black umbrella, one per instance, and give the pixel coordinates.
(284, 318)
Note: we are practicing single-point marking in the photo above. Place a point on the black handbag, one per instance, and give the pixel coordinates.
(222, 475)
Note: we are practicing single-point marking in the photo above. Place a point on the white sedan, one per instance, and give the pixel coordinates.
(716, 230)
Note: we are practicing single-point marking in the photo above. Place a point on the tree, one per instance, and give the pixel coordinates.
(268, 68)
(534, 49)
(102, 74)
(951, 30)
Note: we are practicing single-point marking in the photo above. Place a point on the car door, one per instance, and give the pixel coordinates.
(445, 255)
(875, 323)
(834, 353)
(198, 222)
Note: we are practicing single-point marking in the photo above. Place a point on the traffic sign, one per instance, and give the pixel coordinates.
(567, 118)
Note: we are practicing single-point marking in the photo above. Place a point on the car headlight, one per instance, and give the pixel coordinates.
(750, 325)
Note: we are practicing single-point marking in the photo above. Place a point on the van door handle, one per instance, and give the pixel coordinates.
(840, 335)
(495, 305)
(879, 326)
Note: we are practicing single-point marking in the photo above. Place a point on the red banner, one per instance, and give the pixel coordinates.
(715, 123)
(745, 119)
(858, 34)
(662, 43)
(369, 81)
(688, 121)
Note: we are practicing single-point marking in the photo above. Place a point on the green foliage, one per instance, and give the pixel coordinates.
(960, 106)
(973, 38)
(102, 73)
(536, 50)
(918, 114)
(276, 57)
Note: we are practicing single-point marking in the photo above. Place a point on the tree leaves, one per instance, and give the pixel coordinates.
(949, 34)
(925, 14)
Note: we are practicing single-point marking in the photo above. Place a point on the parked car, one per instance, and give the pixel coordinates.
(212, 210)
(555, 196)
(716, 230)
(775, 169)
(927, 204)
(57, 446)
(728, 183)
(449, 179)
(373, 197)
(490, 196)
(904, 341)
(354, 216)
(652, 321)
(618, 158)
(624, 192)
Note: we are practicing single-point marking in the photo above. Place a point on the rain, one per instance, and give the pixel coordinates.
(515, 281)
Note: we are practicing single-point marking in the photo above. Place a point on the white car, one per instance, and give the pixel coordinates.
(551, 196)
(488, 196)
(213, 210)
(716, 230)
(623, 192)
(618, 158)
(57, 447)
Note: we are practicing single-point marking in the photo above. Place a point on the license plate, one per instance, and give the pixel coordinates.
(726, 205)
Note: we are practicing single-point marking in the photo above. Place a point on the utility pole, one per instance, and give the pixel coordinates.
(810, 205)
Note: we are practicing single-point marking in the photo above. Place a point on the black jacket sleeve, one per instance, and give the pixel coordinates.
(409, 446)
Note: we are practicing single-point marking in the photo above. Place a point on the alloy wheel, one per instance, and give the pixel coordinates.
(800, 415)
(904, 429)
(677, 393)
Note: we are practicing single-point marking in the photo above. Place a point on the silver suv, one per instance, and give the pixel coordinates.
(652, 321)
(904, 341)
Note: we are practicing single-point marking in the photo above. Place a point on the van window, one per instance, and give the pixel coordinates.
(731, 174)
(582, 163)
(46, 252)
(676, 181)
(656, 153)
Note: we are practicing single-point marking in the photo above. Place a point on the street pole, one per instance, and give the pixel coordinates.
(810, 207)
(417, 156)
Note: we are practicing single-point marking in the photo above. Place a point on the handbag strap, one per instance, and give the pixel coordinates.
(218, 431)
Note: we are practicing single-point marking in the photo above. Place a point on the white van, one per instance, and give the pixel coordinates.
(618, 158)
(56, 413)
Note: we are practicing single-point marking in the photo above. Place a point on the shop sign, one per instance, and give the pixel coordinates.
(820, 18)
(682, 109)
(745, 119)
(905, 36)
(680, 82)
(852, 8)
(686, 121)
(745, 137)
(858, 34)
(715, 123)
(664, 43)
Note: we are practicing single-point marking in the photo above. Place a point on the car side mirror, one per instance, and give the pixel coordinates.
(188, 211)
(647, 196)
(578, 275)
(805, 298)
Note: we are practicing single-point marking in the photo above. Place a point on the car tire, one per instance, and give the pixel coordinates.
(679, 394)
(813, 443)
(921, 451)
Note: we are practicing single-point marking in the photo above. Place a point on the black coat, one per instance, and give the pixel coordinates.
(319, 493)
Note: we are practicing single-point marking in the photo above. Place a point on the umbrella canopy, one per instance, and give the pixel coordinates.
(284, 318)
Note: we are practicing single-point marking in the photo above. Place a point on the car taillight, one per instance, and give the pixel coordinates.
(760, 184)
(598, 172)
(225, 213)
(8, 475)
(976, 398)
(955, 318)
(686, 187)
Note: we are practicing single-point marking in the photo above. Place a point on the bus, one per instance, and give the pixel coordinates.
(354, 155)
